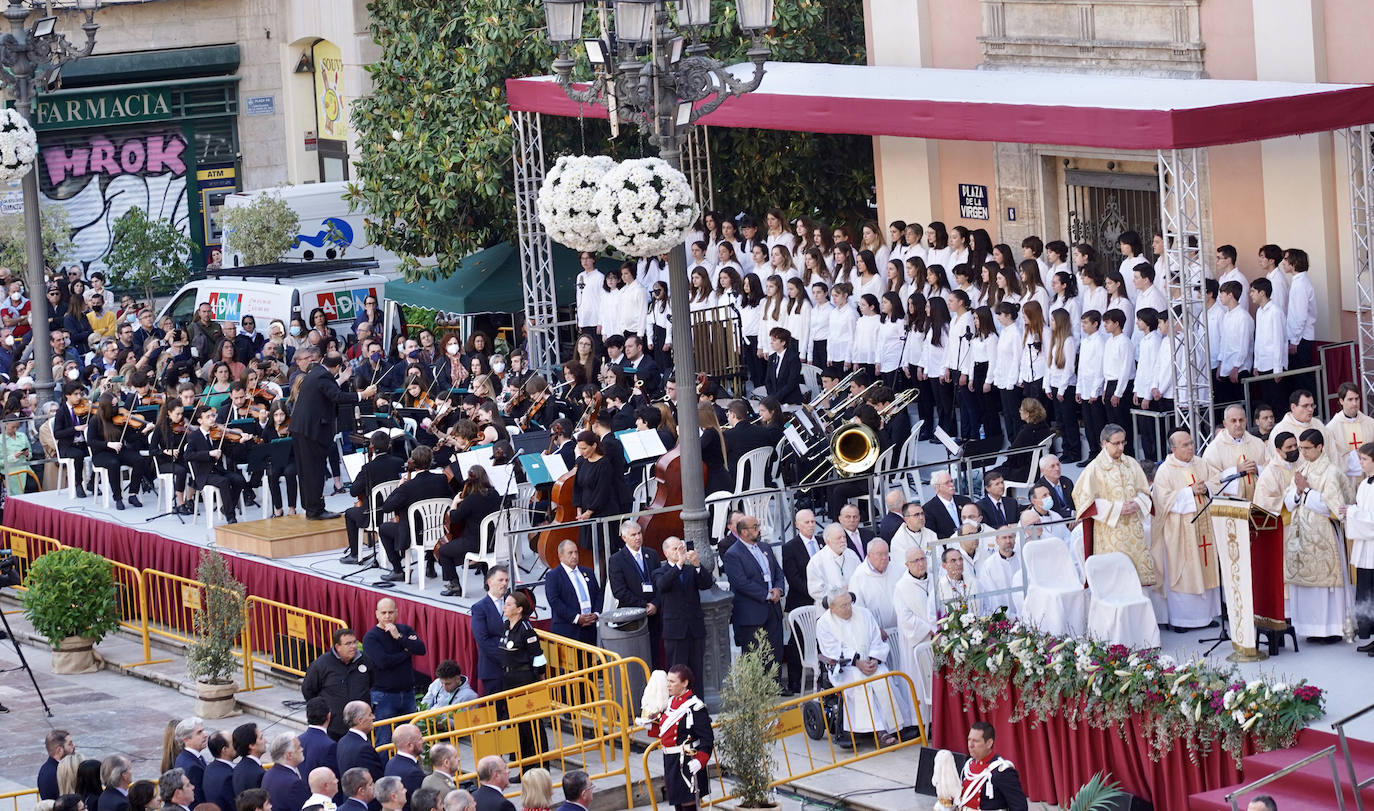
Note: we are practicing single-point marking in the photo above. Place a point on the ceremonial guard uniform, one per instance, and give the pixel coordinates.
(684, 730)
(992, 783)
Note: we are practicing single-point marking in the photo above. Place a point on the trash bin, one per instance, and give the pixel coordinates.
(625, 631)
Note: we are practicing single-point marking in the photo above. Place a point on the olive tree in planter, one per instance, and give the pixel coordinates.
(217, 627)
(262, 229)
(744, 742)
(71, 601)
(147, 254)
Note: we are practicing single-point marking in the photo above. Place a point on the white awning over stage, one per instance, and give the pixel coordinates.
(1125, 112)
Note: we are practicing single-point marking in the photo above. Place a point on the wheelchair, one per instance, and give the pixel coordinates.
(827, 712)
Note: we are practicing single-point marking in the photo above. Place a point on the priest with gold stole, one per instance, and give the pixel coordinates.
(1359, 526)
(1346, 432)
(1314, 561)
(1270, 537)
(1112, 498)
(1184, 549)
(1236, 450)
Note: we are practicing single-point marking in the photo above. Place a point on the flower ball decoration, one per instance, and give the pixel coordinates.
(18, 145)
(566, 201)
(644, 206)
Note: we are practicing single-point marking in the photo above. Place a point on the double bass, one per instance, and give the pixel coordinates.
(561, 502)
(658, 527)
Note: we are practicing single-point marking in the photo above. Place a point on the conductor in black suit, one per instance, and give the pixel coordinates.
(997, 507)
(314, 424)
(631, 574)
(679, 582)
(783, 377)
(942, 511)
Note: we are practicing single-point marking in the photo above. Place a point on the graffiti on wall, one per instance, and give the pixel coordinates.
(97, 177)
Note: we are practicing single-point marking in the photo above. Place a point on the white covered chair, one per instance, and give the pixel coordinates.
(802, 621)
(431, 513)
(1056, 602)
(1119, 611)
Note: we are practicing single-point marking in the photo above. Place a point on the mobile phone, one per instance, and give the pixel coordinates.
(691, 545)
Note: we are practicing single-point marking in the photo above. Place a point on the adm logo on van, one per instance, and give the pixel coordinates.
(340, 305)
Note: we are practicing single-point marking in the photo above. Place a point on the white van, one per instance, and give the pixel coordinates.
(283, 291)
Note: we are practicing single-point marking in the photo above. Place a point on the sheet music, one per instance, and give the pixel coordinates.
(479, 456)
(554, 463)
(353, 464)
(794, 439)
(948, 441)
(502, 477)
(640, 445)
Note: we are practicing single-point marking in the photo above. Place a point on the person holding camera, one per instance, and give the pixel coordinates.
(678, 582)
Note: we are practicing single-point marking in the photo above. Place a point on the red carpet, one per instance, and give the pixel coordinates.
(1309, 787)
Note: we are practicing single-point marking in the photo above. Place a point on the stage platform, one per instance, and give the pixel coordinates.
(314, 581)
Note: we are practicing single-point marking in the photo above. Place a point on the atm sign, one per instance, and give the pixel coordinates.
(344, 305)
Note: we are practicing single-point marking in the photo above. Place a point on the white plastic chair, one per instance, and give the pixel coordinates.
(207, 501)
(1119, 611)
(497, 535)
(719, 505)
(878, 485)
(431, 512)
(751, 472)
(102, 484)
(811, 376)
(376, 497)
(1014, 487)
(909, 457)
(1055, 600)
(802, 621)
(166, 492)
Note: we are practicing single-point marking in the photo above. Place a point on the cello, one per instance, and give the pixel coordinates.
(561, 502)
(668, 475)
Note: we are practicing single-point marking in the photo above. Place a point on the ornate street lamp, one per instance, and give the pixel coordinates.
(646, 75)
(31, 56)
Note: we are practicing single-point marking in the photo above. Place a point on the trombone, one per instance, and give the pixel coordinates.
(833, 413)
(854, 449)
(820, 398)
(899, 403)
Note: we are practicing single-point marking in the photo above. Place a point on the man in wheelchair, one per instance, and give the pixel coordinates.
(852, 649)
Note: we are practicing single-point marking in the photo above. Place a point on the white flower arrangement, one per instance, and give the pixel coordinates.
(18, 145)
(644, 206)
(566, 203)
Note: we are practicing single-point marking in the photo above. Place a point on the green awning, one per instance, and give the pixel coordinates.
(489, 281)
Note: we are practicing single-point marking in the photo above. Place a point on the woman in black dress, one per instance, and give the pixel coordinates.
(713, 451)
(1034, 429)
(168, 446)
(110, 452)
(594, 486)
(278, 424)
(476, 501)
(684, 729)
(522, 661)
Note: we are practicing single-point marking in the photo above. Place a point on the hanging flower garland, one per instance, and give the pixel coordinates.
(644, 206)
(566, 201)
(18, 145)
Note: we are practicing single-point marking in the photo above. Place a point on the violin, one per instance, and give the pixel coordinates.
(130, 420)
(219, 434)
(262, 394)
(82, 408)
(156, 398)
(668, 475)
(590, 415)
(535, 407)
(258, 411)
(180, 427)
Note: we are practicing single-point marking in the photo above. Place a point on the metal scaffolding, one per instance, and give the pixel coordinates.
(1361, 144)
(696, 164)
(536, 250)
(1180, 207)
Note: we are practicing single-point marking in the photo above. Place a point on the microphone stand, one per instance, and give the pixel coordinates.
(1225, 634)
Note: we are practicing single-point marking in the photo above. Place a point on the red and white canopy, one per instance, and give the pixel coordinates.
(1070, 109)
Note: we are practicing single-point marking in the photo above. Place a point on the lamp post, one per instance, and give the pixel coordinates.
(647, 74)
(31, 56)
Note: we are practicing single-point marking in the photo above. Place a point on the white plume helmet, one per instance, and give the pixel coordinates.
(655, 698)
(945, 777)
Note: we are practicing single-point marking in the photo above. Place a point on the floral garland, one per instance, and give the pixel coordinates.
(1102, 685)
(644, 206)
(18, 145)
(565, 203)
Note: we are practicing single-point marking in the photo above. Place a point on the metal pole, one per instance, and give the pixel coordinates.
(33, 275)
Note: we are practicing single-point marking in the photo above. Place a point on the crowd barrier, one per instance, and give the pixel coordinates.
(11, 800)
(588, 713)
(278, 636)
(817, 757)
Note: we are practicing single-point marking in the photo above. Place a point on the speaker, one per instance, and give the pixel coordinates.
(925, 768)
(1128, 802)
(293, 652)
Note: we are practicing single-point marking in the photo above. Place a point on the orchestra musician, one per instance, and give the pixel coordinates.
(491, 422)
(477, 500)
(278, 426)
(645, 367)
(650, 418)
(620, 466)
(206, 459)
(69, 429)
(245, 451)
(110, 451)
(595, 491)
(617, 404)
(783, 377)
(743, 435)
(381, 466)
(713, 455)
(419, 483)
(169, 446)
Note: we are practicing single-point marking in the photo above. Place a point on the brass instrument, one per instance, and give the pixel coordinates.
(854, 449)
(899, 403)
(827, 393)
(834, 413)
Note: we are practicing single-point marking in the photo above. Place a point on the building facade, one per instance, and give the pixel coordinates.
(1289, 191)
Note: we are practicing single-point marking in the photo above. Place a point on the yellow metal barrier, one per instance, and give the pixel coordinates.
(172, 603)
(789, 723)
(26, 548)
(596, 728)
(12, 799)
(283, 637)
(133, 607)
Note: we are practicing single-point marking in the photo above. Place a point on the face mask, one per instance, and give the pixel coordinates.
(1047, 503)
(9, 340)
(15, 296)
(452, 349)
(498, 367)
(295, 331)
(376, 357)
(73, 374)
(183, 380)
(1290, 457)
(98, 307)
(131, 318)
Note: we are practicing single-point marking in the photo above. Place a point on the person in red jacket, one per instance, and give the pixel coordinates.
(684, 730)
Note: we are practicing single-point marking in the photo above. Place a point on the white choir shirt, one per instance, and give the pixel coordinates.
(1128, 309)
(784, 238)
(1271, 342)
(608, 315)
(914, 348)
(1006, 364)
(649, 271)
(959, 348)
(1032, 362)
(875, 286)
(1236, 341)
(1041, 295)
(933, 358)
(1118, 364)
(1151, 297)
(865, 347)
(1090, 378)
(820, 322)
(984, 351)
(589, 284)
(633, 307)
(1216, 314)
(1147, 367)
(799, 324)
(1073, 307)
(1167, 375)
(1060, 380)
(750, 318)
(1127, 271)
(660, 316)
(843, 322)
(941, 257)
(1279, 280)
(767, 321)
(1095, 299)
(1302, 309)
(891, 340)
(1234, 275)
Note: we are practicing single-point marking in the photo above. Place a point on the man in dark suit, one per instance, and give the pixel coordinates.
(251, 746)
(1061, 486)
(356, 785)
(942, 511)
(997, 507)
(410, 742)
(857, 536)
(896, 428)
(644, 366)
(757, 582)
(59, 744)
(731, 535)
(494, 776)
(796, 553)
(679, 582)
(219, 775)
(207, 462)
(190, 732)
(317, 747)
(116, 774)
(489, 628)
(892, 519)
(783, 377)
(69, 430)
(397, 536)
(175, 790)
(314, 423)
(741, 435)
(355, 747)
(578, 791)
(284, 783)
(630, 572)
(574, 596)
(384, 466)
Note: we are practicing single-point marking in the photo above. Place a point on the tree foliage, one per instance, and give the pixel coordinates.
(262, 230)
(744, 742)
(435, 136)
(218, 624)
(148, 254)
(57, 239)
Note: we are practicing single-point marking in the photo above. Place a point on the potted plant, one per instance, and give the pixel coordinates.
(1100, 793)
(217, 627)
(263, 229)
(70, 600)
(744, 743)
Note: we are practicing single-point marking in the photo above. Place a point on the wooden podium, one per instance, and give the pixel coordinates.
(283, 537)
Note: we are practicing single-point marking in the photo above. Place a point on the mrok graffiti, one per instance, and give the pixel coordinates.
(97, 177)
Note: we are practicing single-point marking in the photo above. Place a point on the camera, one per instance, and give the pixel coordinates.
(9, 569)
